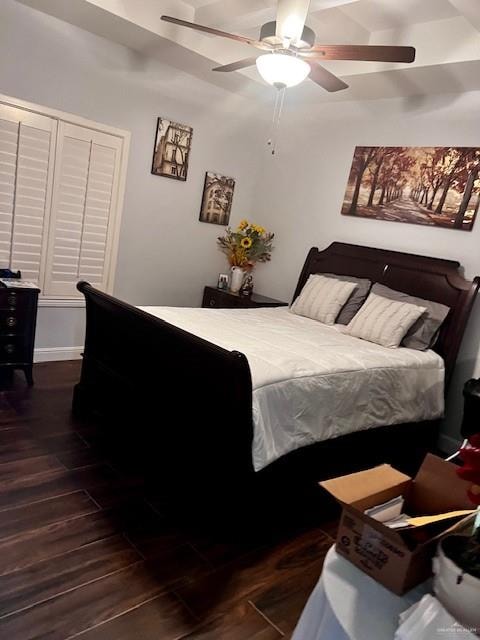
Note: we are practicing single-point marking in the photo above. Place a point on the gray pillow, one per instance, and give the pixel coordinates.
(423, 334)
(357, 298)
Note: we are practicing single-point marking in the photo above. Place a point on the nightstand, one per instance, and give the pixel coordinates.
(214, 298)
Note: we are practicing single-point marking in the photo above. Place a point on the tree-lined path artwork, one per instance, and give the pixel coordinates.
(437, 186)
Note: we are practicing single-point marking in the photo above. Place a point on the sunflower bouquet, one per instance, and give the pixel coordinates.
(246, 245)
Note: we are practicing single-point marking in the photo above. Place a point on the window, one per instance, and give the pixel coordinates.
(61, 192)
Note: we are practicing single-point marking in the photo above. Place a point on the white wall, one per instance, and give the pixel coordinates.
(301, 191)
(166, 255)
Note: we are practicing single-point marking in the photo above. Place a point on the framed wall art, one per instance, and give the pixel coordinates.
(171, 152)
(436, 186)
(217, 198)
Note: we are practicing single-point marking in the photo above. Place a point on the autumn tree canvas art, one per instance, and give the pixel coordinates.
(437, 186)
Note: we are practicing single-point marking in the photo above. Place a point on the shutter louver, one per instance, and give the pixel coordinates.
(8, 164)
(85, 194)
(97, 211)
(26, 168)
(30, 201)
(70, 208)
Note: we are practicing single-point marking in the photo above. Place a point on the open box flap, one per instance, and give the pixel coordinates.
(437, 488)
(460, 527)
(356, 487)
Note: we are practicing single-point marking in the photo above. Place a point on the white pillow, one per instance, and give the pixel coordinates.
(384, 321)
(323, 298)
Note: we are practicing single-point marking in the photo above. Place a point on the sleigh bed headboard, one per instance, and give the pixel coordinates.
(430, 278)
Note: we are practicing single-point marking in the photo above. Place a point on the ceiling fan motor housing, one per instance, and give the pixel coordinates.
(268, 34)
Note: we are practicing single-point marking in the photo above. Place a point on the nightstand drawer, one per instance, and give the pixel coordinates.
(210, 301)
(217, 299)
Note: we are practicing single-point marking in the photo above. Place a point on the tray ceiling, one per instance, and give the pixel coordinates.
(446, 34)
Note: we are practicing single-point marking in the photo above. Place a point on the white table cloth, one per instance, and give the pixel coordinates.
(428, 620)
(347, 604)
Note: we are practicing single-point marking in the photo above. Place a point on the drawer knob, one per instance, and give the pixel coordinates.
(9, 348)
(212, 302)
(11, 321)
(12, 298)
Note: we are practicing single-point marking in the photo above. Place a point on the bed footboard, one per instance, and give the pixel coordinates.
(183, 401)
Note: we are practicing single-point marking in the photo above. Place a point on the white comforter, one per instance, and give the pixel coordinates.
(311, 382)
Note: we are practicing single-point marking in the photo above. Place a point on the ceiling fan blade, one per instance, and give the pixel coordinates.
(235, 66)
(291, 16)
(325, 79)
(217, 32)
(363, 52)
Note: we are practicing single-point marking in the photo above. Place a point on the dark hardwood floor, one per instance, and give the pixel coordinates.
(89, 549)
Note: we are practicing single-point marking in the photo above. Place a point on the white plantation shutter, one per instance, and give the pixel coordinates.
(26, 169)
(84, 204)
(61, 189)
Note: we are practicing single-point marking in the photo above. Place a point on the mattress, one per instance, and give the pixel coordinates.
(312, 382)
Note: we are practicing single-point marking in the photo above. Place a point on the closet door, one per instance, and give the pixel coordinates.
(27, 143)
(84, 208)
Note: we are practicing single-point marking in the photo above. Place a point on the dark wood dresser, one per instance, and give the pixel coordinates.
(222, 299)
(18, 317)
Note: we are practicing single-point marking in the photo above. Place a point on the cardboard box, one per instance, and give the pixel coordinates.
(397, 559)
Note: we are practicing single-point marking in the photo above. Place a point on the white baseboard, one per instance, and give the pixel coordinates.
(54, 354)
(447, 444)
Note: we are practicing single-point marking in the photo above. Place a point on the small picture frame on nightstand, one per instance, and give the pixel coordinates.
(223, 280)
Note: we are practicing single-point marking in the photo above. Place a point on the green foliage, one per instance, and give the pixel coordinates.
(246, 245)
(469, 559)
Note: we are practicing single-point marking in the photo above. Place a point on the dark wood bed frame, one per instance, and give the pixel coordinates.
(186, 404)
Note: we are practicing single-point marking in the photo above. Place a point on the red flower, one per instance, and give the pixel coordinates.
(470, 455)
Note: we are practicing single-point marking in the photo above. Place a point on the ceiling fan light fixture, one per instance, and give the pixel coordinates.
(282, 69)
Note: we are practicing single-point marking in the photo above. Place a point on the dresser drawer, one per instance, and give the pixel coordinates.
(17, 301)
(15, 311)
(12, 321)
(13, 349)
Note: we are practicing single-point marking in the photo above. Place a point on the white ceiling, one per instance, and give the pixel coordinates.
(446, 34)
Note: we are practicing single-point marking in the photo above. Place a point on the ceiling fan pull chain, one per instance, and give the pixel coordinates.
(277, 114)
(271, 140)
(282, 101)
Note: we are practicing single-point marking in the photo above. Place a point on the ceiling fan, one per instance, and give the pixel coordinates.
(290, 53)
